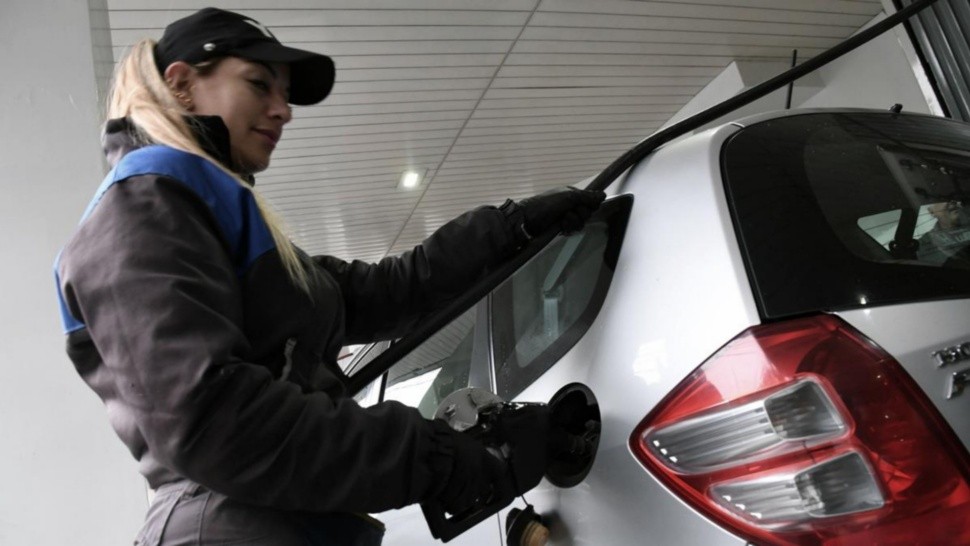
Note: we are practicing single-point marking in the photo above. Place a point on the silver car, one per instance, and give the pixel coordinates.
(769, 320)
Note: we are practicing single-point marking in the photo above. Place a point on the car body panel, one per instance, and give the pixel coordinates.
(941, 324)
(637, 350)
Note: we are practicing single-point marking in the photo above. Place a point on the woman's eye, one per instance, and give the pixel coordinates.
(260, 84)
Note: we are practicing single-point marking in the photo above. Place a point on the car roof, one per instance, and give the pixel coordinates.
(747, 121)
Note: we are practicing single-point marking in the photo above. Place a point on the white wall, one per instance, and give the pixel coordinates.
(65, 477)
(876, 75)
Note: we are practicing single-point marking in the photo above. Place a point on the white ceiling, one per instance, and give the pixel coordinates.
(491, 98)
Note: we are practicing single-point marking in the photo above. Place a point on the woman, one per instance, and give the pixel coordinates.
(213, 340)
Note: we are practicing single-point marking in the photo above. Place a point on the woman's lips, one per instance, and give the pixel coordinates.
(270, 135)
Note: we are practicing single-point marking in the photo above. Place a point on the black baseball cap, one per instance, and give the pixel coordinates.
(211, 32)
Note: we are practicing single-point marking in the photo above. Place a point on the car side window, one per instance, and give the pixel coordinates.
(522, 328)
(436, 368)
(540, 312)
(369, 395)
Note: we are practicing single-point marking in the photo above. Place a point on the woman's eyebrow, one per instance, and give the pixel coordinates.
(272, 70)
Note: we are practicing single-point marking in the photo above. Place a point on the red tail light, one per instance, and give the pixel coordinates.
(807, 433)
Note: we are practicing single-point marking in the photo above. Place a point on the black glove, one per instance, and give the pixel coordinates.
(527, 433)
(567, 209)
(476, 475)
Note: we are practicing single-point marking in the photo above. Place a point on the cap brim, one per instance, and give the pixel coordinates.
(311, 74)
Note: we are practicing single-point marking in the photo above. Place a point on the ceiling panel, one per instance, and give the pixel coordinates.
(853, 14)
(247, 5)
(487, 98)
(692, 24)
(278, 18)
(675, 51)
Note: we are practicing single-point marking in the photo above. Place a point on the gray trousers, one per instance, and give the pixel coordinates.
(186, 514)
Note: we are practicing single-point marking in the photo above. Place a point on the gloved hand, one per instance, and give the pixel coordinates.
(564, 208)
(527, 433)
(476, 475)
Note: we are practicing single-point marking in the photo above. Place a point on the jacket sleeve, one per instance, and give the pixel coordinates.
(385, 299)
(149, 276)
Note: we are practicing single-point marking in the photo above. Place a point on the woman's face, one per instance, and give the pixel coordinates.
(251, 98)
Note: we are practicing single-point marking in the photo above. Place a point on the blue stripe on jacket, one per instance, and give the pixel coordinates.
(232, 205)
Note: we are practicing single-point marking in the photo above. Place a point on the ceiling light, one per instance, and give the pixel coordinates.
(410, 180)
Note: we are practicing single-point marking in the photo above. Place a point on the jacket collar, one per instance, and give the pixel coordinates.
(122, 136)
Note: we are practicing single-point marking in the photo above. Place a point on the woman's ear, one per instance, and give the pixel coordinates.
(180, 77)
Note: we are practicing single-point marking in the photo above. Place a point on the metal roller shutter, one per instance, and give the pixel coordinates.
(941, 34)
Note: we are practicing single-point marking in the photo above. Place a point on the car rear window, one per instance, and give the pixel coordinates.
(848, 210)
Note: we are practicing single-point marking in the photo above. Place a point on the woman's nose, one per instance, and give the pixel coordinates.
(280, 108)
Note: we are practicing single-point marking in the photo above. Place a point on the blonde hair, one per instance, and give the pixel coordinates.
(139, 93)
